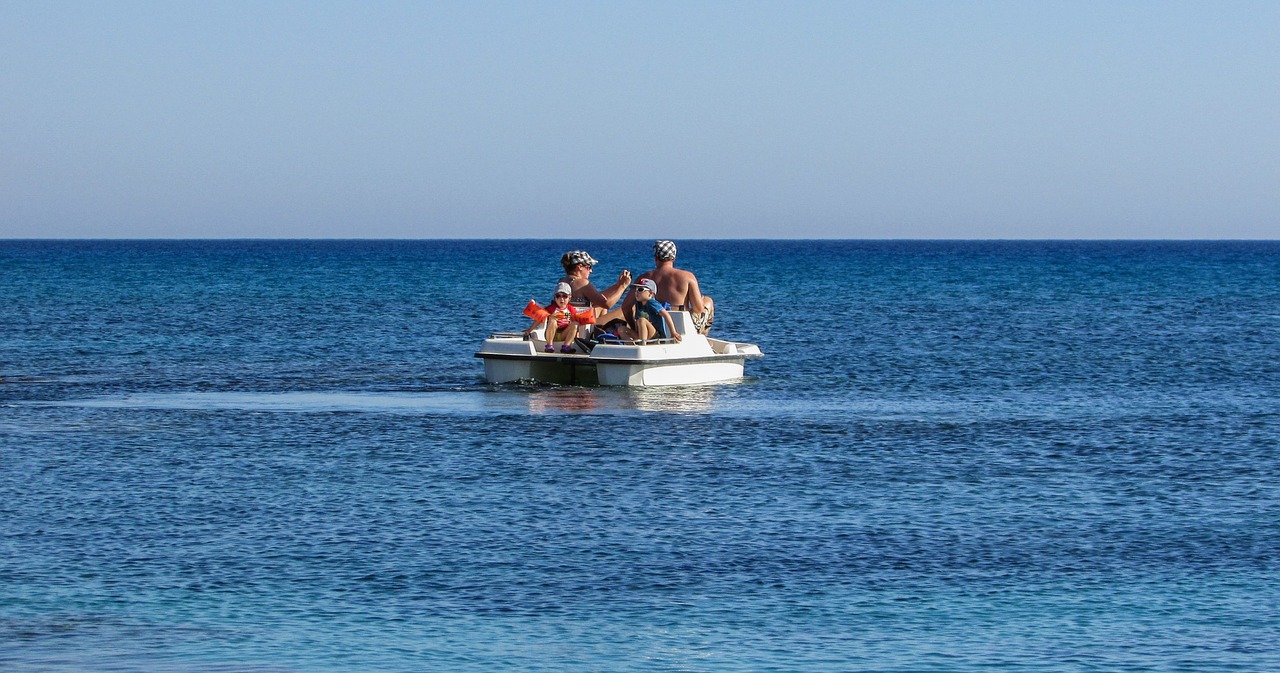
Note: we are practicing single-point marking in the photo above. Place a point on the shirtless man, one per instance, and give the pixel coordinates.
(678, 287)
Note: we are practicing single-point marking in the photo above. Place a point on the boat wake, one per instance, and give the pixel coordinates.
(479, 402)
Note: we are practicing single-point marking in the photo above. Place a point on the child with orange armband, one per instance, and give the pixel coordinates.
(561, 318)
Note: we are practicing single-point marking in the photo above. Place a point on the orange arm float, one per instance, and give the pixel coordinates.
(585, 316)
(536, 312)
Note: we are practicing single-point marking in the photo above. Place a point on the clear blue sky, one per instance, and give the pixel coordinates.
(603, 119)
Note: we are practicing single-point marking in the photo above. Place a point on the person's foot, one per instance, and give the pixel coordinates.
(568, 349)
(549, 349)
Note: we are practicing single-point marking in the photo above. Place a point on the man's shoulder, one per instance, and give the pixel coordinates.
(667, 272)
(680, 276)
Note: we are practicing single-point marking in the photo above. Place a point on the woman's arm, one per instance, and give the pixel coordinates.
(613, 293)
(594, 296)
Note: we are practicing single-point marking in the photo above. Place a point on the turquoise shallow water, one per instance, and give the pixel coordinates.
(280, 456)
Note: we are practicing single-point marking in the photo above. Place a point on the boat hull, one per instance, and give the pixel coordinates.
(690, 362)
(668, 375)
(542, 370)
(694, 360)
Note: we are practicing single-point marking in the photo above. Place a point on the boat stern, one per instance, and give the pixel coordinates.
(509, 358)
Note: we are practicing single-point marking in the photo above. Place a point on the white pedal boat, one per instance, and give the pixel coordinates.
(695, 359)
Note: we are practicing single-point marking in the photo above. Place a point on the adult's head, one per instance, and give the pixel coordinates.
(664, 251)
(575, 259)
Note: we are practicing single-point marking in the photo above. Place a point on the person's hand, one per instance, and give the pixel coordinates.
(677, 337)
(625, 276)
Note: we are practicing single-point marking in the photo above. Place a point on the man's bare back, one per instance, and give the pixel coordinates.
(679, 288)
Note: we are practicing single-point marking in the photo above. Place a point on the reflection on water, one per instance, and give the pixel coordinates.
(680, 399)
(574, 400)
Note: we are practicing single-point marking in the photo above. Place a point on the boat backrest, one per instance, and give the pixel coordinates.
(683, 322)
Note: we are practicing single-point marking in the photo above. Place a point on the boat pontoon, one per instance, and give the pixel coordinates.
(695, 359)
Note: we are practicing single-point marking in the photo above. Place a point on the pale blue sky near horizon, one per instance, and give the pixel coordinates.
(907, 119)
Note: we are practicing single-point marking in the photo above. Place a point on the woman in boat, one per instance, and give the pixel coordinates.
(577, 273)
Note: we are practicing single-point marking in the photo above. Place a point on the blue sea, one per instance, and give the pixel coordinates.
(279, 456)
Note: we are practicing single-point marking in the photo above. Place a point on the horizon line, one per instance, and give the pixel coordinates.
(579, 238)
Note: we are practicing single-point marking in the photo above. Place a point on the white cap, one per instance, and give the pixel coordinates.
(646, 284)
(564, 288)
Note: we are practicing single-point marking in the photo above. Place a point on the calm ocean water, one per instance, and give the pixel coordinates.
(956, 456)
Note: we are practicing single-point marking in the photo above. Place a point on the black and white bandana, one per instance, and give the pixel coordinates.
(580, 257)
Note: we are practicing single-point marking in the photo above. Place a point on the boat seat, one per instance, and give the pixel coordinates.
(683, 322)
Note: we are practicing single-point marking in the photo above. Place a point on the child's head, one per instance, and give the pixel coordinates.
(643, 286)
(563, 292)
(613, 326)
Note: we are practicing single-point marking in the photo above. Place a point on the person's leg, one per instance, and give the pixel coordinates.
(549, 335)
(603, 318)
(703, 320)
(646, 329)
(569, 333)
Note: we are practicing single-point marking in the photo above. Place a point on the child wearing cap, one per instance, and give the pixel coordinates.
(561, 318)
(649, 317)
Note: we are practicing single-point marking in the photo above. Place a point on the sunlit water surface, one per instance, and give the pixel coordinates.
(280, 456)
